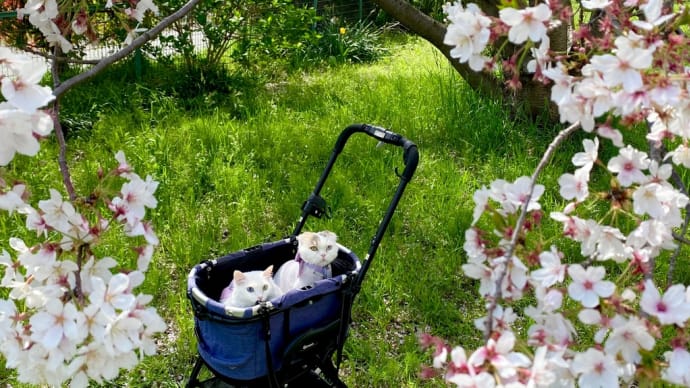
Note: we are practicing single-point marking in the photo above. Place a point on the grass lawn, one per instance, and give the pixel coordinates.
(228, 183)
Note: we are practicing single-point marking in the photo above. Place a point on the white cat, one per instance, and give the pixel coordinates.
(249, 288)
(315, 253)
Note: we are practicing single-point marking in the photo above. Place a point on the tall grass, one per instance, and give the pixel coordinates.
(227, 183)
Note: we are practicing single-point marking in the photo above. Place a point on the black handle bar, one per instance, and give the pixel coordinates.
(410, 153)
(411, 160)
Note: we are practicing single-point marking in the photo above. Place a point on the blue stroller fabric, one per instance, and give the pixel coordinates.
(233, 341)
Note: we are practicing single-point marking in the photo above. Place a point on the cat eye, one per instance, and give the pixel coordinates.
(250, 289)
(265, 287)
(314, 249)
(328, 248)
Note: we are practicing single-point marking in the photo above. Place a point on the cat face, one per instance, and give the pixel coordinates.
(318, 248)
(253, 287)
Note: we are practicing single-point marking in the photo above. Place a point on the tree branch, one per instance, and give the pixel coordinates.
(62, 59)
(562, 135)
(122, 53)
(434, 32)
(55, 114)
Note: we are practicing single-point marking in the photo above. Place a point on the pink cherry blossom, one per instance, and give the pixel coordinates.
(479, 271)
(562, 83)
(503, 319)
(611, 244)
(608, 132)
(653, 17)
(472, 380)
(551, 271)
(528, 23)
(136, 196)
(518, 192)
(12, 200)
(653, 234)
(499, 353)
(678, 371)
(588, 285)
(653, 199)
(587, 158)
(629, 165)
(671, 308)
(58, 321)
(468, 32)
(595, 369)
(481, 200)
(575, 186)
(24, 92)
(19, 129)
(548, 303)
(627, 337)
(680, 155)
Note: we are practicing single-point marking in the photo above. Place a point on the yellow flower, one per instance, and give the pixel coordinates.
(342, 30)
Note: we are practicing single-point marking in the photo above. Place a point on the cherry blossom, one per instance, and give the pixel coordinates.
(629, 211)
(480, 271)
(468, 32)
(501, 356)
(143, 6)
(623, 68)
(629, 165)
(23, 91)
(678, 371)
(551, 271)
(595, 369)
(588, 285)
(529, 23)
(653, 16)
(136, 196)
(502, 319)
(20, 130)
(627, 338)
(58, 320)
(575, 186)
(587, 158)
(671, 308)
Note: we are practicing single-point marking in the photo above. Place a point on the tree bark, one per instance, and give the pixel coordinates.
(434, 32)
(532, 98)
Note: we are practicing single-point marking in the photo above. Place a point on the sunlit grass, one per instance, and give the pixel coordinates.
(227, 183)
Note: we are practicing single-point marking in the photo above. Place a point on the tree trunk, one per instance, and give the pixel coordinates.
(533, 97)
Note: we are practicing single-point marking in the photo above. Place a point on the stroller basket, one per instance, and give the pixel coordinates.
(242, 344)
(290, 339)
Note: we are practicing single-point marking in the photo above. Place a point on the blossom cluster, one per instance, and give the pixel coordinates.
(72, 312)
(21, 123)
(57, 26)
(631, 73)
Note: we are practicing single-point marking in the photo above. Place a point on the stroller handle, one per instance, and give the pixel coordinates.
(410, 153)
(315, 205)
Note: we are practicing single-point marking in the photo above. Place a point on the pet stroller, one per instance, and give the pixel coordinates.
(291, 340)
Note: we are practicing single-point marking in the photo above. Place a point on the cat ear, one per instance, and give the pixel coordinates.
(268, 272)
(303, 237)
(238, 277)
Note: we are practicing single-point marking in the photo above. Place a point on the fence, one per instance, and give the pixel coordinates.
(346, 10)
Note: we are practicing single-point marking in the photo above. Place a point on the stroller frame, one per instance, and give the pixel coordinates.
(299, 334)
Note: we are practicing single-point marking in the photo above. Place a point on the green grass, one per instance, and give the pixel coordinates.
(227, 183)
